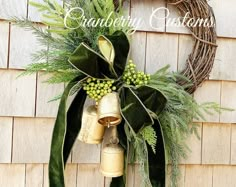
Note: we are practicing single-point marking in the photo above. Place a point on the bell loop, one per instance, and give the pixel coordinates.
(114, 140)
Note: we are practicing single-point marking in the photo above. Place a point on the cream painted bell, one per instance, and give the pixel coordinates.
(109, 110)
(112, 159)
(91, 131)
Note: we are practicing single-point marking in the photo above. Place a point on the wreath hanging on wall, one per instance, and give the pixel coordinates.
(150, 115)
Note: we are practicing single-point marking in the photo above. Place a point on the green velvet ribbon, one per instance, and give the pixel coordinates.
(157, 161)
(93, 64)
(136, 104)
(65, 132)
(68, 123)
(133, 110)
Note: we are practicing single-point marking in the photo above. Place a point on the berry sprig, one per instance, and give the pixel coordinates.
(96, 88)
(133, 77)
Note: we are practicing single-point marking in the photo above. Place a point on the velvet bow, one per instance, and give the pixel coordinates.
(136, 104)
(109, 64)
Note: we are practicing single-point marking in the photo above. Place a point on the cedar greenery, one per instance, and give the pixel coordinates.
(149, 135)
(177, 118)
(60, 42)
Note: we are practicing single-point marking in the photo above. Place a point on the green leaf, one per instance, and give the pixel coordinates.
(153, 99)
(107, 49)
(60, 137)
(131, 106)
(53, 24)
(91, 63)
(39, 6)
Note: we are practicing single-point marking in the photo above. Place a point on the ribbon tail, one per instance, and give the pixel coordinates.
(74, 120)
(117, 182)
(131, 105)
(60, 136)
(157, 162)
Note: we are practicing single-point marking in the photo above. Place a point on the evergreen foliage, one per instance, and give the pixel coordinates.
(177, 118)
(60, 42)
(149, 135)
(137, 151)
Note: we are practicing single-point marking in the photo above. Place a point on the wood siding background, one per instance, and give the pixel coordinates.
(27, 119)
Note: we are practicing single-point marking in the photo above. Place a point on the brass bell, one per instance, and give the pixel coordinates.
(109, 110)
(91, 131)
(112, 159)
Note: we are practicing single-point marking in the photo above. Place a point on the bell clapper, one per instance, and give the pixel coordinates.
(108, 123)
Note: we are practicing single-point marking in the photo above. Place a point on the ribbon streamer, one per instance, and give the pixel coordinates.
(65, 131)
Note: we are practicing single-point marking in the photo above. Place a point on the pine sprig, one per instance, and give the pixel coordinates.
(176, 119)
(138, 151)
(60, 42)
(141, 151)
(63, 76)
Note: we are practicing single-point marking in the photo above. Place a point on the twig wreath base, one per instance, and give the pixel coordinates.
(200, 61)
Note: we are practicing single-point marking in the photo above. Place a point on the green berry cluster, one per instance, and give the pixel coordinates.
(96, 88)
(133, 77)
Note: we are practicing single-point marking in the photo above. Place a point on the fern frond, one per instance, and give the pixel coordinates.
(149, 135)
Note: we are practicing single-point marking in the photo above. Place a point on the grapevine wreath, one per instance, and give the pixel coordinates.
(200, 62)
(150, 115)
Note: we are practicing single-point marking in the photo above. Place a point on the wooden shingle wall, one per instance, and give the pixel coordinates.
(26, 118)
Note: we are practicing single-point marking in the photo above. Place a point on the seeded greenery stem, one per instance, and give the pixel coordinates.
(133, 77)
(96, 88)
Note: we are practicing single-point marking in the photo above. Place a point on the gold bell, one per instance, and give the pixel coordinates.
(112, 159)
(109, 110)
(91, 131)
